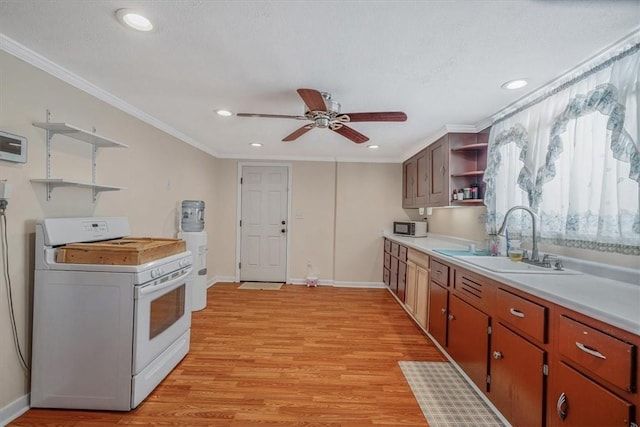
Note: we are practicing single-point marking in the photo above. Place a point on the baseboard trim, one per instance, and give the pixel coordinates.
(219, 279)
(14, 409)
(340, 284)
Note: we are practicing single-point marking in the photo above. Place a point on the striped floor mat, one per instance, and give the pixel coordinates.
(445, 397)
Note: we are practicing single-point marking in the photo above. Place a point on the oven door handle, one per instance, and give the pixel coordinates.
(146, 290)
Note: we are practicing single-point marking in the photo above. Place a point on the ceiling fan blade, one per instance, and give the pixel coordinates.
(352, 134)
(313, 99)
(382, 116)
(271, 116)
(298, 133)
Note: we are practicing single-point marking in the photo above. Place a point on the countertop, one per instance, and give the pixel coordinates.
(614, 302)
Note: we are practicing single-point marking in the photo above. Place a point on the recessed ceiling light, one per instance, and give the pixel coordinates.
(373, 146)
(515, 84)
(256, 144)
(134, 19)
(223, 113)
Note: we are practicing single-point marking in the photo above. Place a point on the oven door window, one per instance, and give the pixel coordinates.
(166, 310)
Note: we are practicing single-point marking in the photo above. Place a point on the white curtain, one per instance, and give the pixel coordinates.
(573, 157)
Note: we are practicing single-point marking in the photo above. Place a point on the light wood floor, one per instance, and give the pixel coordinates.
(294, 357)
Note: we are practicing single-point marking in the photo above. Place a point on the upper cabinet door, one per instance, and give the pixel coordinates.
(422, 179)
(409, 183)
(438, 156)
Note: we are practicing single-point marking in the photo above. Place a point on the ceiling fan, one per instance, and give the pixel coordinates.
(323, 112)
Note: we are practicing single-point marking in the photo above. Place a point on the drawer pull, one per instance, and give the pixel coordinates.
(562, 407)
(497, 355)
(516, 313)
(439, 272)
(590, 351)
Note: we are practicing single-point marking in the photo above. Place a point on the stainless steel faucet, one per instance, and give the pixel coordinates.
(534, 249)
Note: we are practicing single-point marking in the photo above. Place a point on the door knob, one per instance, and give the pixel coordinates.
(284, 222)
(283, 230)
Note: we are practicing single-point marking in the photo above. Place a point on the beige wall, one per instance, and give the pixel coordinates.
(347, 202)
(158, 170)
(368, 199)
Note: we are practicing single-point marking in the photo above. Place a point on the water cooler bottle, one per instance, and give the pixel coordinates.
(193, 234)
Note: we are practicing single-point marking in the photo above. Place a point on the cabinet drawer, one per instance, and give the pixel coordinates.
(439, 273)
(606, 356)
(418, 257)
(402, 253)
(524, 315)
(395, 249)
(387, 260)
(387, 245)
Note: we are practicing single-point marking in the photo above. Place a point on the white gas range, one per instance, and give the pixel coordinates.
(104, 336)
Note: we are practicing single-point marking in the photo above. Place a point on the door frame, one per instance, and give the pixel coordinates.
(241, 165)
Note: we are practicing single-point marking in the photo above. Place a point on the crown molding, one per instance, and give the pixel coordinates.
(20, 51)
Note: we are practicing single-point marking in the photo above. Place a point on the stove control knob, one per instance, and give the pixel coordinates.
(160, 272)
(183, 262)
(153, 274)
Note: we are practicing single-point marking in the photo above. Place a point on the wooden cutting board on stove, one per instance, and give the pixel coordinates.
(125, 251)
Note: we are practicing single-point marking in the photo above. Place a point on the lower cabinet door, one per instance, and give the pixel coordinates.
(581, 402)
(517, 379)
(422, 295)
(468, 340)
(402, 280)
(412, 287)
(438, 313)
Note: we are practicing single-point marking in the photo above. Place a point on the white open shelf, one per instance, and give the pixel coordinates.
(70, 131)
(79, 134)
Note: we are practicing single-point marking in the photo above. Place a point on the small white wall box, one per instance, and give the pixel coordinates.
(13, 148)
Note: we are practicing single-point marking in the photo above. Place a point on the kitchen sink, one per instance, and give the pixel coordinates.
(505, 265)
(462, 252)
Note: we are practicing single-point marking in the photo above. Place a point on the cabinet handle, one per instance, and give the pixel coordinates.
(443, 310)
(562, 406)
(451, 317)
(590, 351)
(442, 170)
(516, 313)
(497, 355)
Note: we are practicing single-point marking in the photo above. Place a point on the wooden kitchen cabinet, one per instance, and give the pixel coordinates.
(409, 184)
(415, 181)
(417, 295)
(517, 377)
(438, 157)
(438, 311)
(468, 339)
(539, 363)
(394, 270)
(594, 375)
(468, 160)
(578, 401)
(456, 160)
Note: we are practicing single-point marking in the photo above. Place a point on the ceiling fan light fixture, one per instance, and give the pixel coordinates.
(224, 113)
(134, 19)
(322, 122)
(515, 84)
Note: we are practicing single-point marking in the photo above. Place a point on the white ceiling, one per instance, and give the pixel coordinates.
(441, 62)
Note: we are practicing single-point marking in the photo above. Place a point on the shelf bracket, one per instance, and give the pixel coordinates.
(49, 136)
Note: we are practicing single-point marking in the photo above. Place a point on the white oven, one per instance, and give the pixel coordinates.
(104, 336)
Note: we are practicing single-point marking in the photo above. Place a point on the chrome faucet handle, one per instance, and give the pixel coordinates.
(548, 258)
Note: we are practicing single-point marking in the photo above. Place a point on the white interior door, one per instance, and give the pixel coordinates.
(264, 223)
